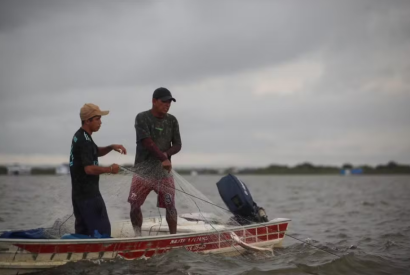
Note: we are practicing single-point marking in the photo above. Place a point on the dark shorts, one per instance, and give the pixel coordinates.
(141, 187)
(90, 215)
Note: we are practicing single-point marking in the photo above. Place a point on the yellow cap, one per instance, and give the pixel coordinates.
(90, 110)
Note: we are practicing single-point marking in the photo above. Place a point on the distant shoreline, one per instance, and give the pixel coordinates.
(391, 168)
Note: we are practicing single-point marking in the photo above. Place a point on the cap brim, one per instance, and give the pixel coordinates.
(104, 113)
(166, 98)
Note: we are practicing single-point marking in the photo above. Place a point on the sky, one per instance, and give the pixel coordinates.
(256, 82)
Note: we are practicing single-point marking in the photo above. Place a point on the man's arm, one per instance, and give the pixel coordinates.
(102, 151)
(174, 150)
(98, 170)
(89, 166)
(141, 127)
(176, 140)
(150, 145)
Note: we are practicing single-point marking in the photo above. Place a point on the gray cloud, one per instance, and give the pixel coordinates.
(346, 97)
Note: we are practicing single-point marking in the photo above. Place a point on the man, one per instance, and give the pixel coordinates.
(89, 207)
(158, 139)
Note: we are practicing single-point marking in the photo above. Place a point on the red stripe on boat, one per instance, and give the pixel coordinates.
(283, 226)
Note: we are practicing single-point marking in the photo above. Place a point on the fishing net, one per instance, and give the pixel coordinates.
(197, 215)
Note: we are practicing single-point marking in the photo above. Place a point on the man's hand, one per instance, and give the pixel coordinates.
(119, 148)
(115, 168)
(166, 164)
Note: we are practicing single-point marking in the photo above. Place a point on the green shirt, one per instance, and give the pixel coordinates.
(164, 132)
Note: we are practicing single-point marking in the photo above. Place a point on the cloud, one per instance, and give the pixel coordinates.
(264, 82)
(289, 78)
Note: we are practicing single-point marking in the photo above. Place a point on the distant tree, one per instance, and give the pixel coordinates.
(3, 170)
(277, 166)
(230, 170)
(367, 169)
(392, 165)
(43, 171)
(183, 171)
(347, 166)
(305, 166)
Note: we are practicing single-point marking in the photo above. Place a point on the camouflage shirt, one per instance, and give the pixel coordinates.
(164, 132)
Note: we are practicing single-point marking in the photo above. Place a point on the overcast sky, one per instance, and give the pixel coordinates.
(256, 82)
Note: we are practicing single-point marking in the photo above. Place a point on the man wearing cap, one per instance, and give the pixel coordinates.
(89, 207)
(158, 139)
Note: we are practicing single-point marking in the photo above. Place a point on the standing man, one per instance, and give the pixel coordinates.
(158, 139)
(89, 207)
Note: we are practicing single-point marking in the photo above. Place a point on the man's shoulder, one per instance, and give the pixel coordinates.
(81, 136)
(171, 117)
(144, 113)
(143, 116)
(78, 136)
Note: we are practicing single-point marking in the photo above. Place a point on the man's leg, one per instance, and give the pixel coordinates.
(166, 199)
(136, 218)
(95, 217)
(139, 191)
(104, 225)
(79, 226)
(172, 217)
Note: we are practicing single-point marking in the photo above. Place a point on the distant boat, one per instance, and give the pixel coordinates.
(63, 169)
(17, 169)
(353, 171)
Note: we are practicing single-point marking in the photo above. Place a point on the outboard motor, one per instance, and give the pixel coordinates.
(238, 199)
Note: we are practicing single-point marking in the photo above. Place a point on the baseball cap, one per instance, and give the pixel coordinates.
(90, 110)
(163, 94)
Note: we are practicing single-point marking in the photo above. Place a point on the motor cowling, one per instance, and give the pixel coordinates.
(239, 201)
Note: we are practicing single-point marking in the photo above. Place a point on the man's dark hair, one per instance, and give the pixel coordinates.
(90, 119)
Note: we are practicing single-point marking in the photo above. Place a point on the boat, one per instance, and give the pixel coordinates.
(197, 232)
(18, 256)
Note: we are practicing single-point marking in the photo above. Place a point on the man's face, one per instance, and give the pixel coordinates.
(162, 107)
(94, 123)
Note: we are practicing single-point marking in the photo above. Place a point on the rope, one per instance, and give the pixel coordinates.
(313, 245)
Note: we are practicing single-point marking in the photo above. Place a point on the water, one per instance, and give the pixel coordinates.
(365, 220)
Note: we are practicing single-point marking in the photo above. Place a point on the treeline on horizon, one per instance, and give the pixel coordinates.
(33, 171)
(308, 168)
(391, 168)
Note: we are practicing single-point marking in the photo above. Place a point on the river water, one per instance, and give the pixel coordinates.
(364, 220)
